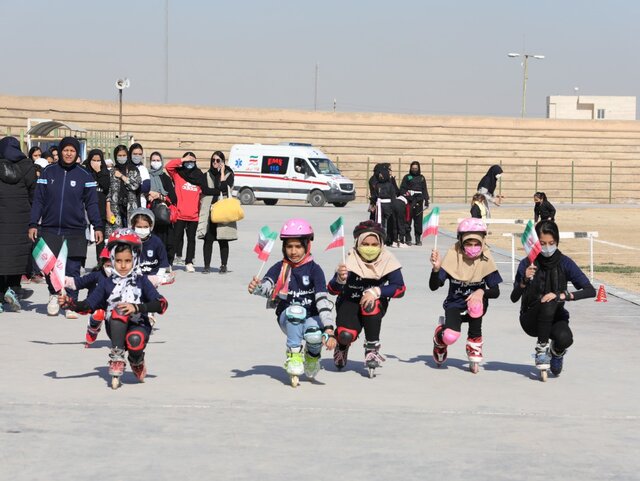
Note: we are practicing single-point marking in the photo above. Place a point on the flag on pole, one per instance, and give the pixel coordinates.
(337, 231)
(430, 223)
(266, 238)
(58, 271)
(45, 260)
(530, 242)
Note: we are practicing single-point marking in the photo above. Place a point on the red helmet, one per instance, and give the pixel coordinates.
(124, 235)
(104, 253)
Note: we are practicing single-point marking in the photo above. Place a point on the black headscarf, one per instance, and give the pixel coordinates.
(128, 165)
(489, 180)
(103, 164)
(10, 149)
(415, 162)
(68, 141)
(194, 176)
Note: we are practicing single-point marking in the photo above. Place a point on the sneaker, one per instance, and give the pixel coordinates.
(340, 355)
(70, 314)
(53, 308)
(223, 269)
(418, 243)
(23, 293)
(311, 364)
(408, 242)
(178, 261)
(402, 245)
(190, 267)
(11, 298)
(206, 270)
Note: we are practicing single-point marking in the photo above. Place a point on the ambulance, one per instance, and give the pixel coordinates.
(291, 171)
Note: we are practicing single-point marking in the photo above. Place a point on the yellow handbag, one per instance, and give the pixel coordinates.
(226, 210)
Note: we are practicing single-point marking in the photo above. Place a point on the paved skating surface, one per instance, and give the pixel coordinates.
(216, 404)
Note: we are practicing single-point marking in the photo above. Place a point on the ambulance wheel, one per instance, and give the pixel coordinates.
(317, 199)
(339, 204)
(246, 197)
(270, 201)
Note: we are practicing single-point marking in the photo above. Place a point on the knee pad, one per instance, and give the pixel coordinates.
(135, 341)
(346, 336)
(98, 315)
(371, 311)
(449, 336)
(313, 335)
(295, 314)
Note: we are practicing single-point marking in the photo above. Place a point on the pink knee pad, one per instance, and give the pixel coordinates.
(449, 336)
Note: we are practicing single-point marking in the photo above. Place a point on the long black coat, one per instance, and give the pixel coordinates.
(17, 184)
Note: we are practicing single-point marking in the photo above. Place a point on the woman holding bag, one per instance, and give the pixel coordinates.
(161, 195)
(220, 179)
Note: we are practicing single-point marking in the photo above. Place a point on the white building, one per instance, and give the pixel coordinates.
(591, 107)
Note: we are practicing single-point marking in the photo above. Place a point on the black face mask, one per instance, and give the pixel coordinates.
(414, 172)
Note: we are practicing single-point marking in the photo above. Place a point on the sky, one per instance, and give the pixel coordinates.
(428, 57)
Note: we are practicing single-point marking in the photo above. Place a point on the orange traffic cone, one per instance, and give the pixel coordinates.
(602, 294)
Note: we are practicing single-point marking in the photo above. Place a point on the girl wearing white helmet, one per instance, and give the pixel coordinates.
(473, 279)
(296, 287)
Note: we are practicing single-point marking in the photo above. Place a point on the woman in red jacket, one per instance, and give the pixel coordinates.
(188, 180)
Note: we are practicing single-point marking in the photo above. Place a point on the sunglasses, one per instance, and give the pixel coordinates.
(215, 161)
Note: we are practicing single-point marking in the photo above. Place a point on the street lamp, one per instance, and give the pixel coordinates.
(121, 84)
(524, 77)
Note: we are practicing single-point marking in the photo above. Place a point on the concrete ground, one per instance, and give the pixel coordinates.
(216, 403)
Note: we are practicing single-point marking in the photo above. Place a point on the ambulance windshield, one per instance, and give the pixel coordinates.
(325, 166)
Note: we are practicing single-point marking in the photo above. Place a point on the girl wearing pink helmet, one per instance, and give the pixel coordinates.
(473, 279)
(296, 288)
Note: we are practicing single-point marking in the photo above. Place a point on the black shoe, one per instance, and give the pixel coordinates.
(223, 269)
(206, 270)
(418, 243)
(408, 242)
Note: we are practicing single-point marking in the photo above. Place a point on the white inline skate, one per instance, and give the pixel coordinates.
(543, 359)
(116, 366)
(294, 365)
(372, 357)
(474, 353)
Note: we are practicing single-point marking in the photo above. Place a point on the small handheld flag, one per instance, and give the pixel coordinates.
(58, 271)
(530, 242)
(45, 260)
(430, 223)
(266, 239)
(337, 231)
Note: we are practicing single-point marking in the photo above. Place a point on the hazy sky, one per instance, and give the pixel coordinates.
(429, 57)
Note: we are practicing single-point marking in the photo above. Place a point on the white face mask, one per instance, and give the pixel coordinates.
(121, 160)
(143, 232)
(156, 164)
(548, 251)
(137, 159)
(498, 176)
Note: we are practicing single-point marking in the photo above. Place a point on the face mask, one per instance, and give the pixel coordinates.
(156, 164)
(414, 172)
(189, 165)
(143, 232)
(548, 251)
(108, 271)
(121, 160)
(369, 253)
(472, 251)
(498, 176)
(137, 159)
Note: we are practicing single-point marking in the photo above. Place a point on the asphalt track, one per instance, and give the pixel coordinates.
(217, 405)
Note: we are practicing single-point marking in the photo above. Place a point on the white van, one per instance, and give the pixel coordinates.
(288, 171)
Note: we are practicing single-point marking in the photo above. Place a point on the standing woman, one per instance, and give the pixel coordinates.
(487, 187)
(123, 190)
(162, 190)
(544, 292)
(35, 153)
(220, 178)
(17, 184)
(97, 167)
(64, 196)
(188, 180)
(136, 154)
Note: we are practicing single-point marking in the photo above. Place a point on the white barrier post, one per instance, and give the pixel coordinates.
(513, 258)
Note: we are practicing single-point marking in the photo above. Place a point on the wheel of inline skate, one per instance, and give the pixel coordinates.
(474, 367)
(294, 381)
(115, 382)
(543, 375)
(372, 372)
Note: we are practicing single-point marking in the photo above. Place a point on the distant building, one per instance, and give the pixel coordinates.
(591, 107)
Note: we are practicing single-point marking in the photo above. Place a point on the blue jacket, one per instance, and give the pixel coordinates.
(153, 256)
(61, 198)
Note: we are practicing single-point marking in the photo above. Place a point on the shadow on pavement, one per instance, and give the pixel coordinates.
(102, 372)
(527, 370)
(274, 372)
(97, 344)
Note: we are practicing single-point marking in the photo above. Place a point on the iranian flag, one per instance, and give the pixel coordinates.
(45, 260)
(430, 223)
(530, 242)
(337, 231)
(58, 271)
(266, 238)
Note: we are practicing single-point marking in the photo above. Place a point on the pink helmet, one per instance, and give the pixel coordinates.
(472, 225)
(294, 228)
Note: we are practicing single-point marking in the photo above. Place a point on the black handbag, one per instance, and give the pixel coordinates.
(161, 212)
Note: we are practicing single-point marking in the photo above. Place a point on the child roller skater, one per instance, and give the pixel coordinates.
(473, 279)
(296, 287)
(364, 285)
(90, 281)
(542, 286)
(128, 297)
(153, 258)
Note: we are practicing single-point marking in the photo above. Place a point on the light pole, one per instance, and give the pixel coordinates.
(121, 84)
(524, 76)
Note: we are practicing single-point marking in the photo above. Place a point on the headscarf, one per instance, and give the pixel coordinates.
(194, 176)
(463, 269)
(125, 288)
(103, 166)
(10, 149)
(489, 180)
(66, 142)
(376, 269)
(155, 174)
(415, 162)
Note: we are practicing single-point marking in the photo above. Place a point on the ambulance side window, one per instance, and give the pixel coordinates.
(272, 164)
